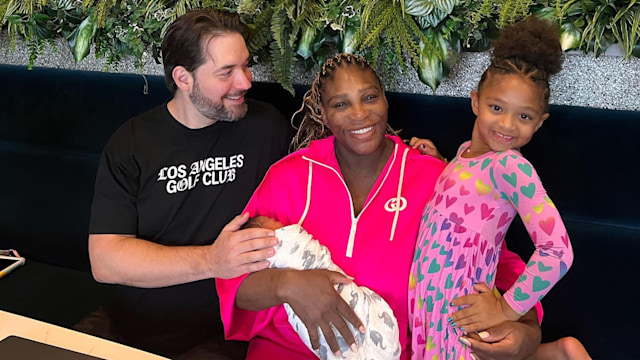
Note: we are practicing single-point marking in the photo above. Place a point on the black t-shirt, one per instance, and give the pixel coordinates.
(172, 185)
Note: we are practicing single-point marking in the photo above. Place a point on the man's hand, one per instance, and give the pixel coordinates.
(236, 252)
(312, 296)
(484, 310)
(512, 340)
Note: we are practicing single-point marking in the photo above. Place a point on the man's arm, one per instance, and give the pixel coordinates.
(127, 260)
(512, 340)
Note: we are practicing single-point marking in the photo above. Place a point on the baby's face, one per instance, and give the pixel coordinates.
(269, 223)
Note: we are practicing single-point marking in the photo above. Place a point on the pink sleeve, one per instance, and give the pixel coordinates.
(553, 255)
(510, 266)
(242, 324)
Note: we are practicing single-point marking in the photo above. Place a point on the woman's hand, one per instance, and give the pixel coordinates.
(426, 147)
(312, 296)
(513, 340)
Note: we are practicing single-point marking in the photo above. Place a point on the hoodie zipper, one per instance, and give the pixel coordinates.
(354, 219)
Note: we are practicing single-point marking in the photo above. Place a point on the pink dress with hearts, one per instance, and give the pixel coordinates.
(461, 233)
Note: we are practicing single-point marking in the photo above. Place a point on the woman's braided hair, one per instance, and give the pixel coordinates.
(312, 127)
(529, 48)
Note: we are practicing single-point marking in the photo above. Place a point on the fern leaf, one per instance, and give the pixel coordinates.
(101, 9)
(250, 7)
(260, 30)
(387, 23)
(279, 22)
(513, 10)
(282, 65)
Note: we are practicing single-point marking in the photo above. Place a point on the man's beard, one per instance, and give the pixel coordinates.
(216, 110)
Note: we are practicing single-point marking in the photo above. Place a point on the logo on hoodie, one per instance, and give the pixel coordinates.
(395, 203)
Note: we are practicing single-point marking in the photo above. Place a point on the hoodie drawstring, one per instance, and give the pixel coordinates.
(306, 206)
(399, 195)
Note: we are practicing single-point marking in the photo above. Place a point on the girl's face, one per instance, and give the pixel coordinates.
(508, 109)
(354, 108)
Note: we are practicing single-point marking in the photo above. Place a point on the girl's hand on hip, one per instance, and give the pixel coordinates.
(484, 310)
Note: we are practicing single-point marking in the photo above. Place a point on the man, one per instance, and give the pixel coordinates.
(170, 182)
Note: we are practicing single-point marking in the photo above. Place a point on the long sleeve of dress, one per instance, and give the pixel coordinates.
(519, 184)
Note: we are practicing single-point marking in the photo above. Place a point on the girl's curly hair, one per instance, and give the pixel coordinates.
(530, 48)
(311, 126)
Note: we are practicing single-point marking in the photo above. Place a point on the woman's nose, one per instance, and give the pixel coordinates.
(358, 111)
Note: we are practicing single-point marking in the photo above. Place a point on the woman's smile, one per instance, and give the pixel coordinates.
(362, 131)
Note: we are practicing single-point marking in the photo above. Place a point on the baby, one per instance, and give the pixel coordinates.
(298, 250)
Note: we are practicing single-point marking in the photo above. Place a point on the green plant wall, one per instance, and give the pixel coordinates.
(425, 36)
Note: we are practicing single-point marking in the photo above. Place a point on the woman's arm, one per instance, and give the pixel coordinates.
(311, 295)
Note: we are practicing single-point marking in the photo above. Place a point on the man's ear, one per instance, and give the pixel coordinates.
(183, 78)
(474, 102)
(544, 117)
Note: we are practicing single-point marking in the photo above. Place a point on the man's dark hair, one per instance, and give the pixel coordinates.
(184, 44)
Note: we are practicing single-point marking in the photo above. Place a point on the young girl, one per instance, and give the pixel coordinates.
(478, 195)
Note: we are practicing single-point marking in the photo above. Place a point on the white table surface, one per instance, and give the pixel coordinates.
(12, 324)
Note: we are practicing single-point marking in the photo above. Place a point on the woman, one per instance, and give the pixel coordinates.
(361, 193)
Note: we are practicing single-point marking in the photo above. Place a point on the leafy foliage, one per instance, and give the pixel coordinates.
(382, 19)
(594, 25)
(426, 35)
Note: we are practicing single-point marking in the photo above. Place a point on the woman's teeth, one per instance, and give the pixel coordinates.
(362, 131)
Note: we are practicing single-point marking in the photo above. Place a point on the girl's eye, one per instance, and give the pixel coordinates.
(495, 107)
(370, 97)
(525, 117)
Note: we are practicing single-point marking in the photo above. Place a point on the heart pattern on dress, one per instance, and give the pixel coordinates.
(466, 229)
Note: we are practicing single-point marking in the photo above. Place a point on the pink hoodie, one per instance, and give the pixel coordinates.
(375, 247)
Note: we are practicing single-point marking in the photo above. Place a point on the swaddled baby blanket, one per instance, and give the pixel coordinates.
(381, 340)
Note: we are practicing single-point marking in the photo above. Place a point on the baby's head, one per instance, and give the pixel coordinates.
(513, 93)
(264, 222)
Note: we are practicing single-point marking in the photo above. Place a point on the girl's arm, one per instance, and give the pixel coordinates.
(553, 254)
(516, 180)
(510, 267)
